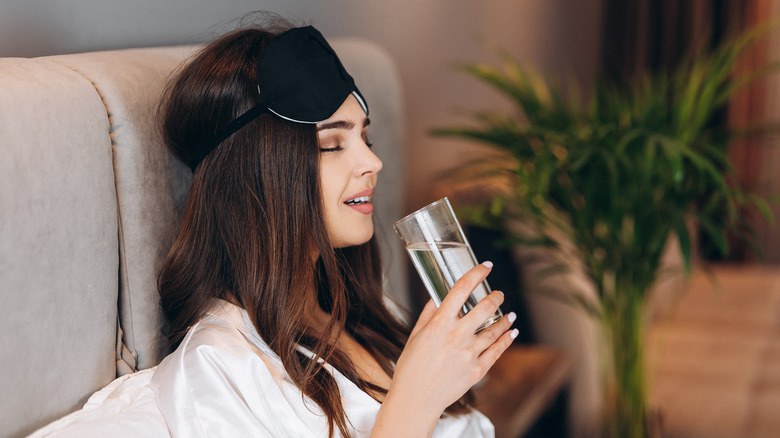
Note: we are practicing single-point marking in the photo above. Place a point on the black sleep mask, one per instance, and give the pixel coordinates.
(299, 78)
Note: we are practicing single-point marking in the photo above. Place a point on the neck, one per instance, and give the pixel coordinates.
(317, 318)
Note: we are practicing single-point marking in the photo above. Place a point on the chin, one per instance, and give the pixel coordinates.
(352, 240)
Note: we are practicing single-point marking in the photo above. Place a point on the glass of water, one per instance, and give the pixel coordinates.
(441, 254)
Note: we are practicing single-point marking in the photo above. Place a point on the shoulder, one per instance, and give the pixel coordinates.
(224, 338)
(222, 376)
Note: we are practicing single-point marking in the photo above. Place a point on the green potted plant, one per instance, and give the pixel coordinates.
(614, 177)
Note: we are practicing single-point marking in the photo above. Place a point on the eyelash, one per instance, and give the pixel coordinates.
(339, 148)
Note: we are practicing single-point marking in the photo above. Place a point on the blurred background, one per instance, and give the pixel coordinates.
(577, 40)
(426, 38)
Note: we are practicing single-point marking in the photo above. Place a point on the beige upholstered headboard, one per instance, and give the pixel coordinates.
(87, 194)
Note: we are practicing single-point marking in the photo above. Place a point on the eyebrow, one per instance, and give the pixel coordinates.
(342, 124)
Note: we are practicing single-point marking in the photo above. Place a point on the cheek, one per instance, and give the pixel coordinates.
(332, 186)
(327, 183)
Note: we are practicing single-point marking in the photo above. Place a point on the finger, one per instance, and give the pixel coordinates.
(495, 350)
(462, 288)
(425, 316)
(484, 309)
(488, 336)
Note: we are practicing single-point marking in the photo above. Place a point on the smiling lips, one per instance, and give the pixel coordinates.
(361, 202)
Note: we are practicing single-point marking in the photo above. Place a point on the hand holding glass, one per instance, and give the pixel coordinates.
(441, 254)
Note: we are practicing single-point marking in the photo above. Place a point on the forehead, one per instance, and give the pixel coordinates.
(350, 111)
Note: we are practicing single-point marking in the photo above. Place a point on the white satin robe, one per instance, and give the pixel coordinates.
(224, 381)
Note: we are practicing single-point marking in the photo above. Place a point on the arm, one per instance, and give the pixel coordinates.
(442, 360)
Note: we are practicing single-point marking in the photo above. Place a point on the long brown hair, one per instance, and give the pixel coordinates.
(251, 222)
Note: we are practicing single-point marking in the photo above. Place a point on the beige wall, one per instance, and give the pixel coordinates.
(428, 37)
(425, 36)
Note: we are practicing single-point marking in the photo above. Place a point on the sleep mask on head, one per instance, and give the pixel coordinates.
(300, 79)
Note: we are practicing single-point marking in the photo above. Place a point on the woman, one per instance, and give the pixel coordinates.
(273, 285)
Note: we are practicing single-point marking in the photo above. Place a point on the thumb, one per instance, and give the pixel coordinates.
(425, 316)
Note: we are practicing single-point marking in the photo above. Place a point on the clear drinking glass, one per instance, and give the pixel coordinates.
(441, 253)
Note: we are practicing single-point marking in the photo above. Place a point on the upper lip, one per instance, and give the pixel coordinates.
(367, 192)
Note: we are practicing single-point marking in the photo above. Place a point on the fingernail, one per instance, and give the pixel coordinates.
(511, 317)
(488, 264)
(514, 333)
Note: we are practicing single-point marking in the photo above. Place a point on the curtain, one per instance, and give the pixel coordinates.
(653, 35)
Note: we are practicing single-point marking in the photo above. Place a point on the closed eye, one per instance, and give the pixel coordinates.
(332, 149)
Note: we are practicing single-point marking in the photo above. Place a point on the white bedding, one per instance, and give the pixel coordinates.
(124, 408)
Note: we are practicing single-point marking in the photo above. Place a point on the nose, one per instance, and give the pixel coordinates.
(370, 163)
